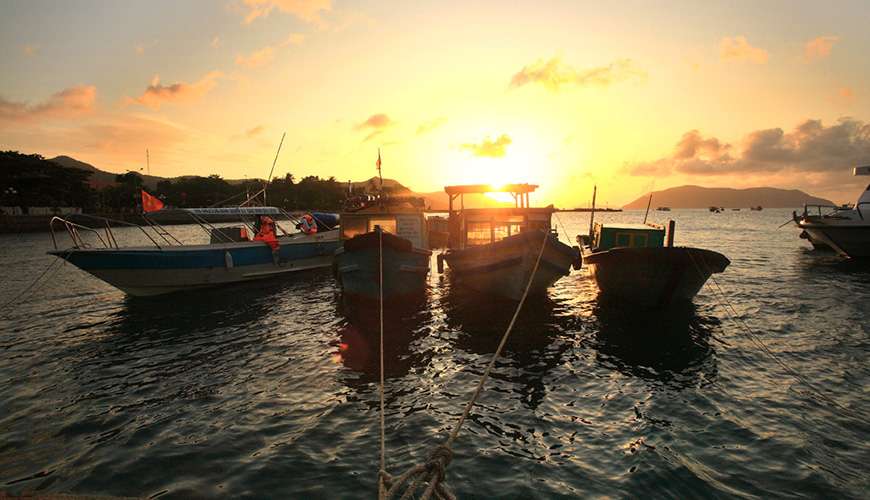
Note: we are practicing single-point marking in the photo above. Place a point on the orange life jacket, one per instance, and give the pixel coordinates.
(308, 224)
(267, 232)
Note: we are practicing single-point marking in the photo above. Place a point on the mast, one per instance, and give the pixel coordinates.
(592, 216)
(269, 179)
(648, 203)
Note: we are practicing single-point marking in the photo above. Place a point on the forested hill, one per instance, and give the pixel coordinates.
(702, 197)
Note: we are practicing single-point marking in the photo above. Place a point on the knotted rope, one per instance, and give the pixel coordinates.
(432, 472)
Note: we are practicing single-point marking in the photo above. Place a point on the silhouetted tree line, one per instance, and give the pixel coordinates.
(31, 180)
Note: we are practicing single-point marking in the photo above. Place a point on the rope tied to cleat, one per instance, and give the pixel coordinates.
(433, 471)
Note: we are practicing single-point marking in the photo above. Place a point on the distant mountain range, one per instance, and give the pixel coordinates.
(701, 197)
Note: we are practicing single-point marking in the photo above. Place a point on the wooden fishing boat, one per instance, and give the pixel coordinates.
(494, 250)
(169, 266)
(637, 263)
(385, 236)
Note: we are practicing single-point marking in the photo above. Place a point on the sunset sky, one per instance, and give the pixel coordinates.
(625, 95)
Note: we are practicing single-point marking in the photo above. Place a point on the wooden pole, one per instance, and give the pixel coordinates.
(648, 203)
(671, 226)
(592, 215)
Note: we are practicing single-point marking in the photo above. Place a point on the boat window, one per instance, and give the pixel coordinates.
(623, 239)
(387, 224)
(478, 233)
(352, 226)
(639, 241)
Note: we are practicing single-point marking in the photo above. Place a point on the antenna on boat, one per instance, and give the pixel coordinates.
(592, 216)
(269, 179)
(648, 203)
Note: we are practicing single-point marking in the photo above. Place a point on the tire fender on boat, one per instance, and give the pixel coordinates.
(228, 260)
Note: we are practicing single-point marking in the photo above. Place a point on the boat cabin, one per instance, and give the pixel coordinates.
(606, 237)
(404, 218)
(482, 226)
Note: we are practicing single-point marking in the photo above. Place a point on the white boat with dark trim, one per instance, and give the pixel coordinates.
(846, 230)
(170, 266)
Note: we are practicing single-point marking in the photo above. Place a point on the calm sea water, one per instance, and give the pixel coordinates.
(270, 389)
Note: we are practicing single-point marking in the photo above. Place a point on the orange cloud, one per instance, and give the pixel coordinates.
(489, 148)
(305, 10)
(157, 93)
(73, 101)
(264, 56)
(257, 58)
(375, 124)
(846, 93)
(553, 74)
(739, 50)
(29, 50)
(376, 121)
(811, 147)
(819, 47)
(215, 42)
(253, 132)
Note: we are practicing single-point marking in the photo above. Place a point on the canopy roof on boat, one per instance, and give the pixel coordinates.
(232, 211)
(489, 188)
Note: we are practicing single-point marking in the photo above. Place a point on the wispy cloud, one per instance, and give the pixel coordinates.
(255, 131)
(553, 74)
(70, 102)
(488, 147)
(429, 126)
(375, 124)
(819, 47)
(215, 42)
(305, 10)
(264, 56)
(738, 49)
(157, 93)
(810, 147)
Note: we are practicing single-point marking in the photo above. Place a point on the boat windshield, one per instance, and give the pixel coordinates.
(484, 229)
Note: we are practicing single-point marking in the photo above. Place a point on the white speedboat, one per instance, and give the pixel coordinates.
(846, 230)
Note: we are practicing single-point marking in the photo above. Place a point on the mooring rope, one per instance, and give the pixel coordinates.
(31, 286)
(433, 471)
(722, 298)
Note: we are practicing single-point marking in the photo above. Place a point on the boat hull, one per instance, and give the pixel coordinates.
(405, 269)
(653, 276)
(150, 271)
(503, 268)
(848, 240)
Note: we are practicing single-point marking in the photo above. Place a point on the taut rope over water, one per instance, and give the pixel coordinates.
(722, 298)
(432, 472)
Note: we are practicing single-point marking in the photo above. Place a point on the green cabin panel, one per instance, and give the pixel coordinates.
(630, 236)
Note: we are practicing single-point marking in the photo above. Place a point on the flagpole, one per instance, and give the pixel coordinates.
(380, 173)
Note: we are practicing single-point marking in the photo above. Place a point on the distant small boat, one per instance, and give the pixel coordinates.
(494, 250)
(756, 208)
(385, 237)
(715, 210)
(735, 209)
(663, 209)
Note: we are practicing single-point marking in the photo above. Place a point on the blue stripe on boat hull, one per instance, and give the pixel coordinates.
(154, 271)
